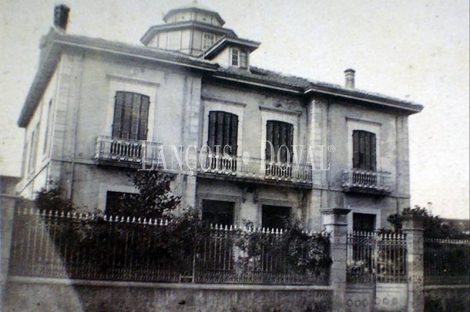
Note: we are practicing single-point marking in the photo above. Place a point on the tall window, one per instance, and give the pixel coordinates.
(207, 40)
(130, 116)
(279, 141)
(223, 132)
(239, 58)
(274, 217)
(218, 212)
(364, 150)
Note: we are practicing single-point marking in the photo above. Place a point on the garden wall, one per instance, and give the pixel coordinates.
(42, 294)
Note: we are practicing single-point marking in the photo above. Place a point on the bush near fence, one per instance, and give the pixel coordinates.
(177, 249)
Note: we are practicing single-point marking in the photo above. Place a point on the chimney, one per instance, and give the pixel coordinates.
(349, 76)
(61, 16)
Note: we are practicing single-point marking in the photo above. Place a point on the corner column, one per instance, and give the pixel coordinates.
(413, 228)
(335, 223)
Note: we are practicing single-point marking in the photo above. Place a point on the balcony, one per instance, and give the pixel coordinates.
(124, 153)
(371, 182)
(239, 168)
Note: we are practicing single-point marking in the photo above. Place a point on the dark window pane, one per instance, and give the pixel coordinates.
(364, 222)
(218, 212)
(114, 203)
(274, 217)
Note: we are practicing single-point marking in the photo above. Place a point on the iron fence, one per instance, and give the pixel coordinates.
(446, 261)
(86, 246)
(376, 257)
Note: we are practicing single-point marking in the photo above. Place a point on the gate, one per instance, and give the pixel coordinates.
(376, 271)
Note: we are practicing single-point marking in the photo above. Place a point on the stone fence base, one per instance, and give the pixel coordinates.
(447, 298)
(44, 294)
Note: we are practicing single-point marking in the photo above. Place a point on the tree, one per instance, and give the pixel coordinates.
(434, 226)
(154, 198)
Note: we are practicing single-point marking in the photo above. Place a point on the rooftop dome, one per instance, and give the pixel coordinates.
(194, 12)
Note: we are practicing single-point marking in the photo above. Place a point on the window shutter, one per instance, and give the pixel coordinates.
(127, 115)
(118, 107)
(373, 152)
(356, 149)
(212, 130)
(234, 135)
(220, 129)
(290, 141)
(366, 151)
(227, 135)
(144, 112)
(269, 139)
(135, 116)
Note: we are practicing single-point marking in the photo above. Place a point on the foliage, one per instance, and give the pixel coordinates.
(154, 198)
(47, 200)
(434, 227)
(302, 251)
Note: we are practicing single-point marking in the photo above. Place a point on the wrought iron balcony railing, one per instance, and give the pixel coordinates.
(124, 152)
(356, 180)
(239, 167)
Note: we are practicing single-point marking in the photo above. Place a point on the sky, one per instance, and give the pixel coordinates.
(414, 50)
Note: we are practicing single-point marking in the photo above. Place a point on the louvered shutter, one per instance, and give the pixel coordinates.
(290, 141)
(135, 116)
(234, 134)
(269, 139)
(356, 163)
(212, 130)
(373, 152)
(144, 112)
(118, 108)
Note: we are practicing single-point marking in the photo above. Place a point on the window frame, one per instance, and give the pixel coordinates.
(354, 123)
(242, 58)
(232, 135)
(289, 139)
(205, 40)
(364, 150)
(120, 124)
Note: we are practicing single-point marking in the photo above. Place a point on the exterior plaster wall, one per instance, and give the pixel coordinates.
(249, 199)
(258, 107)
(392, 156)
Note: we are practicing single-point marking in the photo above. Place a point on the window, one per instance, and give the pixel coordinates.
(279, 141)
(223, 132)
(364, 150)
(207, 40)
(130, 116)
(218, 212)
(114, 203)
(274, 217)
(239, 58)
(363, 222)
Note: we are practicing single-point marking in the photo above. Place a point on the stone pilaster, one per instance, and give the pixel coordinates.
(413, 228)
(335, 223)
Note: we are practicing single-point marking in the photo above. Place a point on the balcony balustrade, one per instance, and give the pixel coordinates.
(246, 168)
(361, 181)
(125, 152)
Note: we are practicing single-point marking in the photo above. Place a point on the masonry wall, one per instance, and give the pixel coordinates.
(59, 295)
